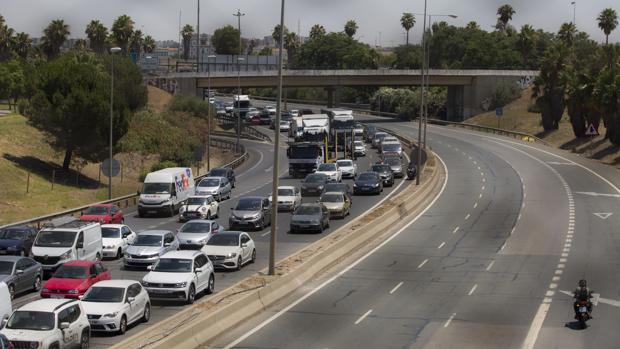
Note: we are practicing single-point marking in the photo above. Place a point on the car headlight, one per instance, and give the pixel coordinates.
(12, 248)
(111, 315)
(182, 209)
(203, 209)
(34, 345)
(127, 255)
(66, 255)
(72, 292)
(320, 187)
(180, 284)
(375, 185)
(45, 290)
(145, 284)
(315, 222)
(231, 255)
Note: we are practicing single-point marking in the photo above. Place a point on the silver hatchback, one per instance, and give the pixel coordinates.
(194, 234)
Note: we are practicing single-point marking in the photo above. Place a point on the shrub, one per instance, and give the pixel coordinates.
(504, 94)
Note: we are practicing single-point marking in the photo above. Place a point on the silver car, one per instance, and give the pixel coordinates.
(194, 234)
(218, 187)
(395, 164)
(252, 212)
(148, 247)
(20, 274)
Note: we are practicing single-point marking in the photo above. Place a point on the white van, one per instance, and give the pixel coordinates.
(79, 240)
(5, 302)
(165, 191)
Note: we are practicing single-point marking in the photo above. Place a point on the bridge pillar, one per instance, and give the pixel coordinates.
(188, 87)
(454, 104)
(333, 96)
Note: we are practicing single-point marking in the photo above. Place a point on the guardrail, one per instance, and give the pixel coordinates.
(247, 130)
(131, 199)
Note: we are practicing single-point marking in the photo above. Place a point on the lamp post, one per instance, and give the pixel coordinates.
(239, 59)
(198, 36)
(209, 116)
(423, 95)
(113, 50)
(276, 155)
(574, 3)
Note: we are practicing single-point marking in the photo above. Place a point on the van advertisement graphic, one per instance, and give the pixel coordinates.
(182, 182)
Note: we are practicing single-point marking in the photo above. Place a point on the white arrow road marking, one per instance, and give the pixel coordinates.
(603, 215)
(591, 193)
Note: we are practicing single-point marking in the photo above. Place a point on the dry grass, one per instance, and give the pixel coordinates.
(517, 118)
(158, 99)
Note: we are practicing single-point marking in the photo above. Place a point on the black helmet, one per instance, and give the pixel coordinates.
(583, 283)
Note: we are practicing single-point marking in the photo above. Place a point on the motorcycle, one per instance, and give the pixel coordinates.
(411, 172)
(582, 314)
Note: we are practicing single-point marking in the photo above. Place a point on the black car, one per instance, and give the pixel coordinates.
(368, 183)
(313, 184)
(385, 172)
(310, 217)
(223, 172)
(305, 112)
(369, 133)
(17, 240)
(339, 188)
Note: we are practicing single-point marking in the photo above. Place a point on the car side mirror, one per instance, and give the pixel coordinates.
(3, 323)
(19, 272)
(93, 276)
(198, 270)
(80, 244)
(167, 244)
(64, 325)
(149, 267)
(131, 299)
(244, 245)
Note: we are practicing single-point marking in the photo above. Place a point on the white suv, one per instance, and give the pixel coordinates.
(180, 275)
(49, 324)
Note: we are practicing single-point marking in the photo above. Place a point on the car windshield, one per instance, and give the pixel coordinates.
(302, 152)
(393, 161)
(286, 192)
(380, 136)
(308, 210)
(218, 172)
(104, 295)
(327, 167)
(341, 187)
(173, 265)
(209, 182)
(197, 201)
(148, 240)
(71, 272)
(196, 227)
(55, 239)
(6, 268)
(367, 177)
(332, 198)
(315, 178)
(380, 168)
(13, 234)
(345, 163)
(156, 188)
(97, 210)
(248, 205)
(110, 233)
(359, 144)
(224, 240)
(391, 147)
(31, 320)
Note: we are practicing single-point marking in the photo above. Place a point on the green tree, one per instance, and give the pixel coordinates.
(135, 43)
(607, 21)
(549, 86)
(291, 43)
(567, 33)
(6, 39)
(317, 31)
(80, 44)
(607, 95)
(122, 31)
(504, 13)
(408, 57)
(97, 34)
(187, 33)
(54, 36)
(226, 40)
(265, 51)
(335, 51)
(525, 42)
(22, 45)
(472, 26)
(407, 21)
(12, 81)
(350, 28)
(148, 44)
(275, 34)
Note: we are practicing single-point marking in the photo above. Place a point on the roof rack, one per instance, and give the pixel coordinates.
(68, 222)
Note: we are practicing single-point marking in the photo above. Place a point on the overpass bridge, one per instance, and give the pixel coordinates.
(469, 91)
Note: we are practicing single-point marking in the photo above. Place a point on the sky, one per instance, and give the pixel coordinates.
(378, 20)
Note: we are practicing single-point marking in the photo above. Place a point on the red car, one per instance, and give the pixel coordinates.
(255, 120)
(104, 214)
(74, 278)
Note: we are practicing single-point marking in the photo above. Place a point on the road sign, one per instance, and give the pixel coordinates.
(591, 131)
(105, 168)
(499, 111)
(199, 153)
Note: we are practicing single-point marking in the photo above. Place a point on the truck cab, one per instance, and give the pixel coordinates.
(304, 157)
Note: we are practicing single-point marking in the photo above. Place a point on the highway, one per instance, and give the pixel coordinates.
(253, 178)
(488, 265)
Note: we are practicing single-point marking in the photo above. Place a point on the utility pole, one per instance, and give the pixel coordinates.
(179, 47)
(419, 160)
(113, 50)
(198, 36)
(238, 15)
(574, 3)
(276, 156)
(209, 117)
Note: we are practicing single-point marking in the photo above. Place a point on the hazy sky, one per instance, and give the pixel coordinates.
(160, 18)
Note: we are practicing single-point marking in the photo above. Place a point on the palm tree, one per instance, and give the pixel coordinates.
(275, 34)
(186, 33)
(80, 45)
(472, 26)
(607, 21)
(505, 13)
(22, 44)
(122, 29)
(317, 31)
(350, 28)
(135, 43)
(567, 33)
(291, 41)
(54, 36)
(6, 38)
(97, 34)
(550, 87)
(407, 21)
(148, 44)
(525, 42)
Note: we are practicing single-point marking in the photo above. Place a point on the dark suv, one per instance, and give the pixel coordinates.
(223, 172)
(17, 240)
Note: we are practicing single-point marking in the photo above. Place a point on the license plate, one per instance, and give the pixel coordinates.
(2, 252)
(57, 296)
(161, 291)
(304, 226)
(583, 309)
(152, 211)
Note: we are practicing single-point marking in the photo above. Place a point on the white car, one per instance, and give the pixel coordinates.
(294, 112)
(289, 198)
(284, 126)
(270, 108)
(49, 323)
(347, 167)
(230, 250)
(112, 305)
(332, 172)
(116, 238)
(199, 207)
(218, 187)
(359, 148)
(180, 275)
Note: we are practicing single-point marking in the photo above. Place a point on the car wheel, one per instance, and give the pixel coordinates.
(321, 228)
(85, 339)
(262, 224)
(191, 295)
(37, 283)
(119, 253)
(147, 313)
(253, 260)
(171, 211)
(239, 263)
(22, 253)
(123, 220)
(98, 257)
(217, 212)
(140, 214)
(12, 291)
(209, 214)
(122, 326)
(211, 286)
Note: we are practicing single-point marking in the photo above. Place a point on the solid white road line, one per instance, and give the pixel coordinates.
(260, 160)
(490, 265)
(396, 287)
(422, 264)
(346, 269)
(363, 317)
(449, 320)
(472, 290)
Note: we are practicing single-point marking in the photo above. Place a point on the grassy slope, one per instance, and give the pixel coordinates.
(517, 118)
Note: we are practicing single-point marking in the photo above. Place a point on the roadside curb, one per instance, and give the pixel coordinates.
(206, 320)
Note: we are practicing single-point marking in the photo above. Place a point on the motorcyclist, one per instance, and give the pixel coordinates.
(411, 170)
(582, 293)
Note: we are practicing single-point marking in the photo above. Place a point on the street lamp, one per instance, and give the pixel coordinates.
(198, 36)
(113, 50)
(239, 60)
(574, 3)
(209, 116)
